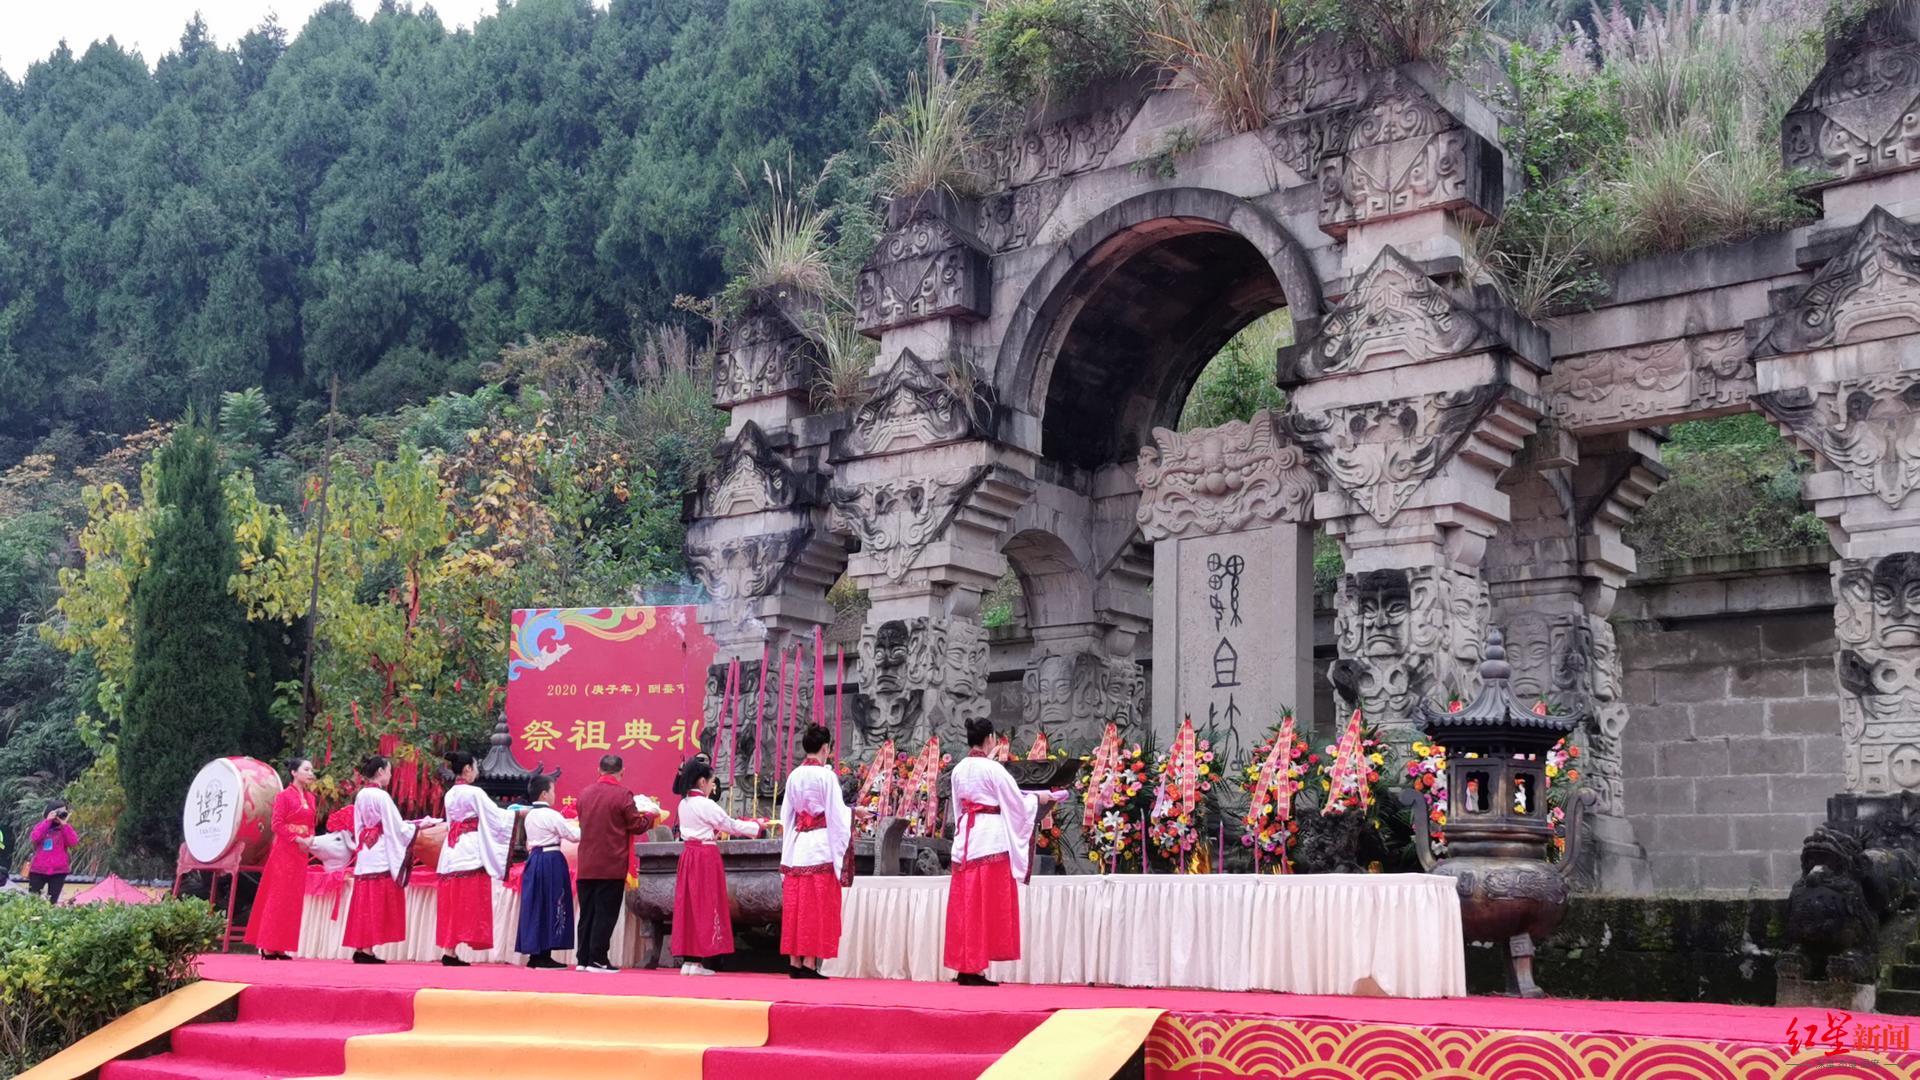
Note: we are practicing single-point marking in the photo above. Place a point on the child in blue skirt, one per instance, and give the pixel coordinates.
(546, 887)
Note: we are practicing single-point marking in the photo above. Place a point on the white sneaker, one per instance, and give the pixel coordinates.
(695, 969)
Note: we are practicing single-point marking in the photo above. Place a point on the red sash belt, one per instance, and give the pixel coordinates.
(370, 836)
(458, 829)
(973, 810)
(809, 821)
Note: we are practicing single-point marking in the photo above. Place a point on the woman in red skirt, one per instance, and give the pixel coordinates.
(377, 914)
(993, 832)
(475, 854)
(702, 920)
(274, 926)
(815, 830)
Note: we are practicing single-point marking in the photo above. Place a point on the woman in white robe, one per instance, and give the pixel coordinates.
(473, 858)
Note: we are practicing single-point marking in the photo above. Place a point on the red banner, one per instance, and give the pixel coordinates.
(585, 682)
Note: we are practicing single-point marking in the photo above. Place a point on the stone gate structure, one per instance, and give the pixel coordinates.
(1036, 345)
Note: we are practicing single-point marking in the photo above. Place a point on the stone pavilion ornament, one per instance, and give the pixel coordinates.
(748, 566)
(752, 476)
(1858, 118)
(1877, 623)
(1395, 314)
(1404, 153)
(924, 269)
(1379, 453)
(766, 353)
(896, 519)
(1870, 290)
(1497, 829)
(912, 407)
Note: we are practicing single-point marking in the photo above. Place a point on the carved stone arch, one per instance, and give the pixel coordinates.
(1241, 234)
(1054, 578)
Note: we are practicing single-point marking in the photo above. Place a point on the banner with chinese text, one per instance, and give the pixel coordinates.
(584, 682)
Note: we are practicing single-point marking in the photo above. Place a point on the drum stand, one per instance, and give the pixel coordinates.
(228, 865)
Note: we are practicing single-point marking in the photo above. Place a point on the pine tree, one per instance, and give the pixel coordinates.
(187, 698)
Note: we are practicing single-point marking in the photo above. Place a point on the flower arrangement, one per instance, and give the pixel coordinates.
(1560, 764)
(1039, 750)
(1182, 775)
(1427, 773)
(877, 781)
(1110, 791)
(1274, 772)
(1352, 769)
(918, 789)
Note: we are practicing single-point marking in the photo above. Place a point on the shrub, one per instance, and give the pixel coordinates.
(930, 142)
(1038, 51)
(1735, 486)
(70, 970)
(1231, 54)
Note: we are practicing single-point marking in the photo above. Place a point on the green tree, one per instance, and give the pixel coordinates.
(187, 698)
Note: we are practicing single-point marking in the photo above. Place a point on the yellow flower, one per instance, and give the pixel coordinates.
(1376, 759)
(1553, 770)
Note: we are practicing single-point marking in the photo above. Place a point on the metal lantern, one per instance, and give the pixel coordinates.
(1498, 835)
(501, 777)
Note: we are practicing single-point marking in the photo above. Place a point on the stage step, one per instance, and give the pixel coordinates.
(1897, 1002)
(279, 1032)
(851, 1042)
(1904, 977)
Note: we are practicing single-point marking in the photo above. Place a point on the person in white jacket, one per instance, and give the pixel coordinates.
(816, 831)
(479, 834)
(377, 913)
(993, 833)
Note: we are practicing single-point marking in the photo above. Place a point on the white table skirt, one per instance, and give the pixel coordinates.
(1305, 934)
(320, 932)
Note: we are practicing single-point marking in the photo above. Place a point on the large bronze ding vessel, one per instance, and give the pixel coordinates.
(1498, 835)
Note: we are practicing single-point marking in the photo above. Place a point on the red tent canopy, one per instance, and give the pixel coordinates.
(110, 889)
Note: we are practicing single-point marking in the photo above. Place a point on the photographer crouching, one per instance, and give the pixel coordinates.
(50, 841)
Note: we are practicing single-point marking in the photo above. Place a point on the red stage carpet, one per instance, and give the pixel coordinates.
(297, 1016)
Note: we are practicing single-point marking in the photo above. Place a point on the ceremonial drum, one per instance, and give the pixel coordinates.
(427, 842)
(230, 808)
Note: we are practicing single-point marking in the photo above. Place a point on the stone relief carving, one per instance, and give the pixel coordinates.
(1072, 696)
(750, 477)
(1406, 636)
(1870, 290)
(1619, 386)
(1876, 618)
(1239, 475)
(1380, 452)
(920, 677)
(765, 354)
(1302, 143)
(1403, 153)
(1858, 117)
(1065, 148)
(895, 520)
(1606, 722)
(1328, 73)
(746, 567)
(923, 270)
(913, 407)
(1868, 429)
(1395, 314)
(1009, 220)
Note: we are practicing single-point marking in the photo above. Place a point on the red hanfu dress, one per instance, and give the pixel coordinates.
(993, 828)
(702, 917)
(377, 914)
(816, 828)
(473, 857)
(274, 926)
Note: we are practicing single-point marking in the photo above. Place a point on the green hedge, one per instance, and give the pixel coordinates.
(66, 971)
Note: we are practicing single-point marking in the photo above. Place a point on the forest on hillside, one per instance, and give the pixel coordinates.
(432, 310)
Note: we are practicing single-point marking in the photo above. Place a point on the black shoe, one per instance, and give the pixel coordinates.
(603, 965)
(453, 961)
(545, 962)
(976, 980)
(366, 958)
(796, 973)
(811, 973)
(274, 956)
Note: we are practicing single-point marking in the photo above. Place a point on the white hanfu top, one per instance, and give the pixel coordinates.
(546, 828)
(813, 789)
(986, 782)
(486, 846)
(388, 855)
(702, 819)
